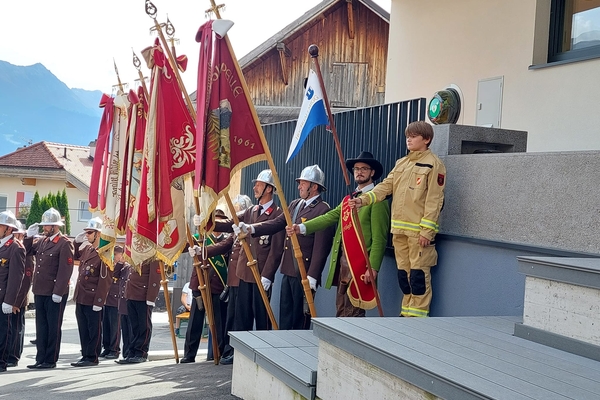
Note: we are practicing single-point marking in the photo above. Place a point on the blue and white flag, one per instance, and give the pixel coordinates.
(312, 114)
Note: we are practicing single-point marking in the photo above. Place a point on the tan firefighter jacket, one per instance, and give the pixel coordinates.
(417, 187)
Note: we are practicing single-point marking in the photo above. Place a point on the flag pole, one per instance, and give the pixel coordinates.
(313, 50)
(295, 244)
(151, 10)
(137, 64)
(164, 282)
(203, 285)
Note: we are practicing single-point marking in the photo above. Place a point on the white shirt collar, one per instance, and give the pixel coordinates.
(367, 188)
(310, 200)
(53, 236)
(4, 240)
(265, 206)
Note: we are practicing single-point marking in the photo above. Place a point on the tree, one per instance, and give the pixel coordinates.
(63, 208)
(35, 210)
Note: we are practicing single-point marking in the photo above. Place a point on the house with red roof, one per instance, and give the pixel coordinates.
(48, 167)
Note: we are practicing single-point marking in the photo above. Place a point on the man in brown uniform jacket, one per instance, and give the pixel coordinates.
(141, 292)
(90, 293)
(121, 273)
(221, 247)
(315, 248)
(267, 251)
(17, 323)
(12, 269)
(54, 266)
(111, 328)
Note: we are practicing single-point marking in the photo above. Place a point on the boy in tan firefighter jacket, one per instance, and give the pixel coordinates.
(417, 187)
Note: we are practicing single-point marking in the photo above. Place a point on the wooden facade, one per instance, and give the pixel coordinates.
(354, 69)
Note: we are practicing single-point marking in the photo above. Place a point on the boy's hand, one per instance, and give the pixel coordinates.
(423, 241)
(355, 203)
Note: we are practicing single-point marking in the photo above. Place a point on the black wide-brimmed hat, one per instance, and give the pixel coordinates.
(366, 158)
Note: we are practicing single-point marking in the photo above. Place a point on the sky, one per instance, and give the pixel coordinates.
(77, 40)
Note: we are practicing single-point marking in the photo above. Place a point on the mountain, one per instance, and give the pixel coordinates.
(35, 105)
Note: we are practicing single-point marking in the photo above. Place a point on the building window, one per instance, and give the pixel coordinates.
(84, 213)
(3, 201)
(574, 30)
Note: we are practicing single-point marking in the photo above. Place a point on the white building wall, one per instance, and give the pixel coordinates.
(435, 43)
(10, 187)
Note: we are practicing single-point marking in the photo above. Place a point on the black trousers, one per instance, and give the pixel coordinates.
(291, 305)
(48, 328)
(17, 336)
(89, 324)
(250, 308)
(125, 334)
(229, 321)
(193, 335)
(111, 330)
(5, 321)
(140, 318)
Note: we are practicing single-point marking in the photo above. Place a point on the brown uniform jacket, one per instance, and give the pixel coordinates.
(26, 284)
(121, 274)
(94, 278)
(222, 247)
(53, 264)
(232, 279)
(267, 249)
(315, 247)
(144, 286)
(12, 269)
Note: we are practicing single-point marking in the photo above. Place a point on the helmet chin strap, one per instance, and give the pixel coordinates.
(263, 193)
(53, 231)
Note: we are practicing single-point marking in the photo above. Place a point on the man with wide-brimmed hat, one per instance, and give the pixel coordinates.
(375, 222)
(53, 269)
(293, 313)
(91, 290)
(12, 269)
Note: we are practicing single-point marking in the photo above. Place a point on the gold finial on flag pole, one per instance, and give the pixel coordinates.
(120, 85)
(214, 9)
(137, 64)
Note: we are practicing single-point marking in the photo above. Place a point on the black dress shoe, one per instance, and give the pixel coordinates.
(34, 366)
(103, 354)
(226, 360)
(46, 366)
(84, 363)
(112, 356)
(34, 341)
(186, 360)
(136, 360)
(2, 370)
(11, 364)
(122, 361)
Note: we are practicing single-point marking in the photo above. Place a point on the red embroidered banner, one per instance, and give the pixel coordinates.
(361, 294)
(228, 134)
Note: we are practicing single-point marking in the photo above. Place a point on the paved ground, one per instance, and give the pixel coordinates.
(158, 378)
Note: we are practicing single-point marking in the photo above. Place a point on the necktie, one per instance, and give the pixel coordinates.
(356, 194)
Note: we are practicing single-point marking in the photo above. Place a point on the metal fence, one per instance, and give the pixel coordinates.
(378, 129)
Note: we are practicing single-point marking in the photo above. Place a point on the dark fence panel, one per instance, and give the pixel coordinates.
(378, 129)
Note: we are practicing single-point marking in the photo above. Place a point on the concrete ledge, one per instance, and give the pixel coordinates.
(287, 357)
(451, 358)
(559, 342)
(577, 271)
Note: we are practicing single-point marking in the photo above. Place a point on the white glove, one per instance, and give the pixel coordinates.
(150, 303)
(197, 220)
(266, 283)
(33, 230)
(6, 308)
(80, 238)
(194, 250)
(56, 298)
(96, 308)
(312, 282)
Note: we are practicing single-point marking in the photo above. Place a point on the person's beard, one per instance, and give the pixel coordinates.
(362, 180)
(49, 233)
